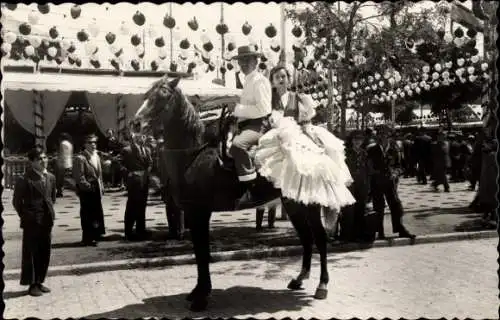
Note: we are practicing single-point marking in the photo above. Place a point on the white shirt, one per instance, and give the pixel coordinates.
(66, 154)
(255, 99)
(94, 160)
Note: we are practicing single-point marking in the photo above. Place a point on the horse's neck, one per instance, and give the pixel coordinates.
(185, 129)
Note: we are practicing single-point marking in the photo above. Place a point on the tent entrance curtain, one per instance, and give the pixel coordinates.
(20, 103)
(103, 107)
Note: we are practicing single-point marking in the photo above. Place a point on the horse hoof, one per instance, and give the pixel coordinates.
(321, 294)
(197, 293)
(199, 304)
(295, 285)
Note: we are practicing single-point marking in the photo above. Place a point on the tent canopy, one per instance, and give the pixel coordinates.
(106, 84)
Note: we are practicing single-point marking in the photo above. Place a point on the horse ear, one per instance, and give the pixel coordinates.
(174, 83)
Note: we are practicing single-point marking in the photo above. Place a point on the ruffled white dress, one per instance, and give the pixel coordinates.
(306, 170)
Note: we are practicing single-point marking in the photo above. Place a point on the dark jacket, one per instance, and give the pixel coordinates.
(33, 200)
(384, 163)
(136, 164)
(441, 155)
(358, 167)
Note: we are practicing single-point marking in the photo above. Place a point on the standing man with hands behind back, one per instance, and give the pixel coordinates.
(252, 113)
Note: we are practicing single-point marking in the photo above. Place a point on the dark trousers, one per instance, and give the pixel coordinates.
(385, 189)
(249, 134)
(440, 178)
(175, 217)
(271, 217)
(422, 172)
(135, 210)
(91, 216)
(60, 174)
(35, 254)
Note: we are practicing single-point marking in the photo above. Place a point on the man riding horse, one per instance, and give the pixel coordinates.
(252, 113)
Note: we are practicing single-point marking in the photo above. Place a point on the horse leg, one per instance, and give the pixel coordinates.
(320, 239)
(200, 227)
(296, 213)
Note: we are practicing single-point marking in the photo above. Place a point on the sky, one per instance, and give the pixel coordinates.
(259, 15)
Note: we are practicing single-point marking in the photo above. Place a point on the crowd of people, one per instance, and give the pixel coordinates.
(309, 164)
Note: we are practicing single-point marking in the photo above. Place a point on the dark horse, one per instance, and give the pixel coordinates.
(201, 185)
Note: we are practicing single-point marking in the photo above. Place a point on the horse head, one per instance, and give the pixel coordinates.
(166, 108)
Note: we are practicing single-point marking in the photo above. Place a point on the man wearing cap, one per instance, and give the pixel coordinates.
(385, 166)
(252, 113)
(87, 173)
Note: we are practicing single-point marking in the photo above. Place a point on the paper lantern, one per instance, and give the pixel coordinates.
(94, 29)
(124, 29)
(458, 42)
(10, 37)
(6, 48)
(52, 51)
(33, 17)
(90, 48)
(162, 53)
(65, 44)
(139, 50)
(29, 50)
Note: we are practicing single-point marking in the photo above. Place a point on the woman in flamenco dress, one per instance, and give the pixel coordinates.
(305, 161)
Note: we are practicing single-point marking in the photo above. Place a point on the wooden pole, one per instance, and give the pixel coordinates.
(223, 44)
(171, 35)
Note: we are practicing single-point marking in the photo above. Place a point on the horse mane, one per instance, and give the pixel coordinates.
(183, 127)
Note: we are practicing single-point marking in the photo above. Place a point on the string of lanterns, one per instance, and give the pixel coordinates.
(36, 47)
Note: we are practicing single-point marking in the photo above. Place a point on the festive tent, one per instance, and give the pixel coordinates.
(37, 100)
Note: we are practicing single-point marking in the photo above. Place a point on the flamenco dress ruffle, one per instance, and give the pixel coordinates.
(302, 169)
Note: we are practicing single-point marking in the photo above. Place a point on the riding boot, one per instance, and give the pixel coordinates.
(251, 198)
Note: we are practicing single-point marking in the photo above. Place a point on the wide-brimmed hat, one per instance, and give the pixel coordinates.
(246, 51)
(90, 138)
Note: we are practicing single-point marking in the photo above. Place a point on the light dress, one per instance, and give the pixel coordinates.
(308, 168)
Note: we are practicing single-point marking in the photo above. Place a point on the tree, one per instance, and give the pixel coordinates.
(339, 38)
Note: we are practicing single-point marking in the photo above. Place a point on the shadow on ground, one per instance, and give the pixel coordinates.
(232, 302)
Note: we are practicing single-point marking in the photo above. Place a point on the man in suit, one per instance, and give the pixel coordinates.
(441, 162)
(385, 168)
(34, 196)
(87, 173)
(137, 161)
(422, 146)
